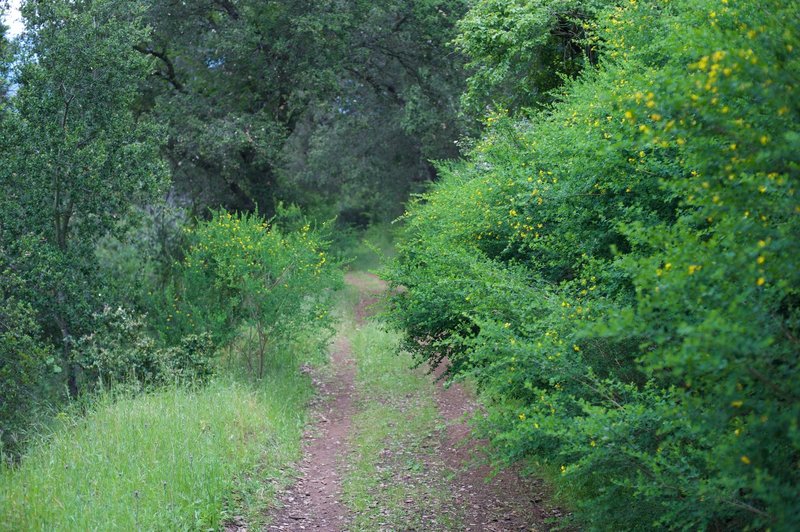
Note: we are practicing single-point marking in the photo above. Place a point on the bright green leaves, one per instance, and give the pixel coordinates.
(520, 51)
(246, 280)
(619, 272)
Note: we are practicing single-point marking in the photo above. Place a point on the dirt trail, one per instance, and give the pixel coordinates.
(314, 501)
(507, 502)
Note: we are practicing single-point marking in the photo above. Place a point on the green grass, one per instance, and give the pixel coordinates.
(177, 459)
(367, 249)
(395, 479)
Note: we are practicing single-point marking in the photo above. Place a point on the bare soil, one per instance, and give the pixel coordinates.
(314, 501)
(501, 502)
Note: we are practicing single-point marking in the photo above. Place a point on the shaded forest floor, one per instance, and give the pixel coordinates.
(389, 447)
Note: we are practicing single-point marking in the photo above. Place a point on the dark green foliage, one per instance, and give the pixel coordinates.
(119, 351)
(336, 106)
(363, 148)
(75, 157)
(619, 273)
(5, 57)
(25, 361)
(521, 50)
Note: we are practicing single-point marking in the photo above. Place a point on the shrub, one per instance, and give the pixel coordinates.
(520, 51)
(121, 352)
(619, 272)
(25, 362)
(245, 278)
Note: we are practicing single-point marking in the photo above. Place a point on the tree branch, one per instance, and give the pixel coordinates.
(229, 8)
(169, 75)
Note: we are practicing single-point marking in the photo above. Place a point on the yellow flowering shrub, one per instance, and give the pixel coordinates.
(246, 279)
(619, 272)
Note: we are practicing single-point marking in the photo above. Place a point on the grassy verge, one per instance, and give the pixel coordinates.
(394, 479)
(176, 459)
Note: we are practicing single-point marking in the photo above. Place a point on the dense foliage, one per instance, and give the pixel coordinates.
(619, 272)
(25, 360)
(86, 236)
(615, 262)
(74, 159)
(336, 106)
(519, 52)
(242, 273)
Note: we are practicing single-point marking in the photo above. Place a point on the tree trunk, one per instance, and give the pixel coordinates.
(62, 219)
(66, 348)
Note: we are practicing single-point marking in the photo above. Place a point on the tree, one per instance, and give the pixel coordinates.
(5, 55)
(291, 100)
(367, 144)
(520, 51)
(77, 155)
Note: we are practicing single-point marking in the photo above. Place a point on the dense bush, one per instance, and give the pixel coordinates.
(247, 279)
(120, 351)
(619, 273)
(519, 51)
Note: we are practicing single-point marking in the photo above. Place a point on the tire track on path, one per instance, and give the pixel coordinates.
(313, 502)
(506, 501)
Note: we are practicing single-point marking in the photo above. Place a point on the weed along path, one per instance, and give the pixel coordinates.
(389, 448)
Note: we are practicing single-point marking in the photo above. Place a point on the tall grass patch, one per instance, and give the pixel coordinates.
(178, 459)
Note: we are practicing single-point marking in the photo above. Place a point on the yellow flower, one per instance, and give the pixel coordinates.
(737, 404)
(761, 281)
(522, 417)
(745, 460)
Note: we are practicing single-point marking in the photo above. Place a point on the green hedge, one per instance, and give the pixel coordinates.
(619, 272)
